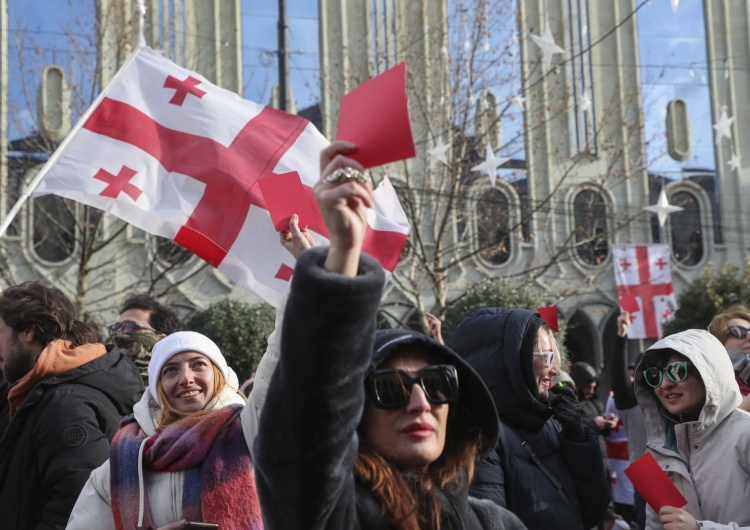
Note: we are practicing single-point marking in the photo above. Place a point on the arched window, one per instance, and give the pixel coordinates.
(493, 226)
(53, 228)
(687, 232)
(590, 213)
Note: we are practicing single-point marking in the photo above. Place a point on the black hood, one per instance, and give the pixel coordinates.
(499, 344)
(112, 374)
(582, 374)
(473, 394)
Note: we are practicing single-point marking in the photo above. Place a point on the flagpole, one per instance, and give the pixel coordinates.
(17, 207)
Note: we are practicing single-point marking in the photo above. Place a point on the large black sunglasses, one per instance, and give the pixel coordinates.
(676, 371)
(738, 331)
(391, 388)
(128, 326)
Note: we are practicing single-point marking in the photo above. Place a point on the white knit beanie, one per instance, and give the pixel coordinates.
(179, 342)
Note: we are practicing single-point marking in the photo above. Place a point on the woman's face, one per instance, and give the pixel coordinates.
(187, 380)
(736, 343)
(544, 371)
(413, 436)
(680, 397)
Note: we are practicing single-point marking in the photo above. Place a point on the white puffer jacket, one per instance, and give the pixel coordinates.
(94, 506)
(710, 464)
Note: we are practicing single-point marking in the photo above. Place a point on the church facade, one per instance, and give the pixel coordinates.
(543, 129)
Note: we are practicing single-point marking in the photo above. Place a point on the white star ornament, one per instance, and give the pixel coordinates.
(662, 208)
(437, 153)
(734, 162)
(490, 164)
(547, 45)
(724, 126)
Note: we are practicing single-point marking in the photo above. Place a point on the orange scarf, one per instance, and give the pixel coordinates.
(58, 357)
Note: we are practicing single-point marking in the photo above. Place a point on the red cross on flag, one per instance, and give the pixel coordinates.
(176, 156)
(643, 272)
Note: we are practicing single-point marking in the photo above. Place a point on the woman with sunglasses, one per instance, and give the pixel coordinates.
(732, 328)
(547, 468)
(686, 390)
(365, 430)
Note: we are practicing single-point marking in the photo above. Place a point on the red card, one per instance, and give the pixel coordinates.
(286, 195)
(549, 314)
(653, 484)
(629, 304)
(375, 117)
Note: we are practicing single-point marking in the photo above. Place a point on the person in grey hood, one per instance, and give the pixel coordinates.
(686, 389)
(547, 467)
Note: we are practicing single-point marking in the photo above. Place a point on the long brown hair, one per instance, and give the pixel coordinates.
(168, 414)
(409, 500)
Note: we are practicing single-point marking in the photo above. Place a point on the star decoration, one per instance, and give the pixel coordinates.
(437, 153)
(675, 5)
(585, 103)
(517, 101)
(724, 126)
(734, 162)
(490, 164)
(547, 45)
(662, 208)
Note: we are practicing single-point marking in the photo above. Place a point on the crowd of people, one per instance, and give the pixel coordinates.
(350, 427)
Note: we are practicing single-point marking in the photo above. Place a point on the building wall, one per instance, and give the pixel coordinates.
(567, 149)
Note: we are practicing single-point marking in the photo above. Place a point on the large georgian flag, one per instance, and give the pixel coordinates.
(644, 272)
(176, 156)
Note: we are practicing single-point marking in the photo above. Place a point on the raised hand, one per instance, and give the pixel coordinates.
(344, 193)
(623, 323)
(296, 240)
(436, 326)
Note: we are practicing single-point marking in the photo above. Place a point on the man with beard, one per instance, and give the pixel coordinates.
(67, 395)
(143, 321)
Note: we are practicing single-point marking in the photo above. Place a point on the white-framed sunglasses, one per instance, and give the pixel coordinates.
(548, 356)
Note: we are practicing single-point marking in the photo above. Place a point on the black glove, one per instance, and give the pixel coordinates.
(564, 405)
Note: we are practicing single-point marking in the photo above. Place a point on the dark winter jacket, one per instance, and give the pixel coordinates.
(499, 344)
(625, 400)
(59, 434)
(591, 407)
(4, 405)
(307, 441)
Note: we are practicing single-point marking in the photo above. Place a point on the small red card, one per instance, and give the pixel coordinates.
(653, 484)
(375, 117)
(549, 314)
(286, 195)
(629, 304)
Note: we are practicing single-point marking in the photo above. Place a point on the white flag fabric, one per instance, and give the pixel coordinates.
(174, 155)
(643, 273)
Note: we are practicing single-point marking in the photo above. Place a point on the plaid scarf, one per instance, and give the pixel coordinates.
(219, 486)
